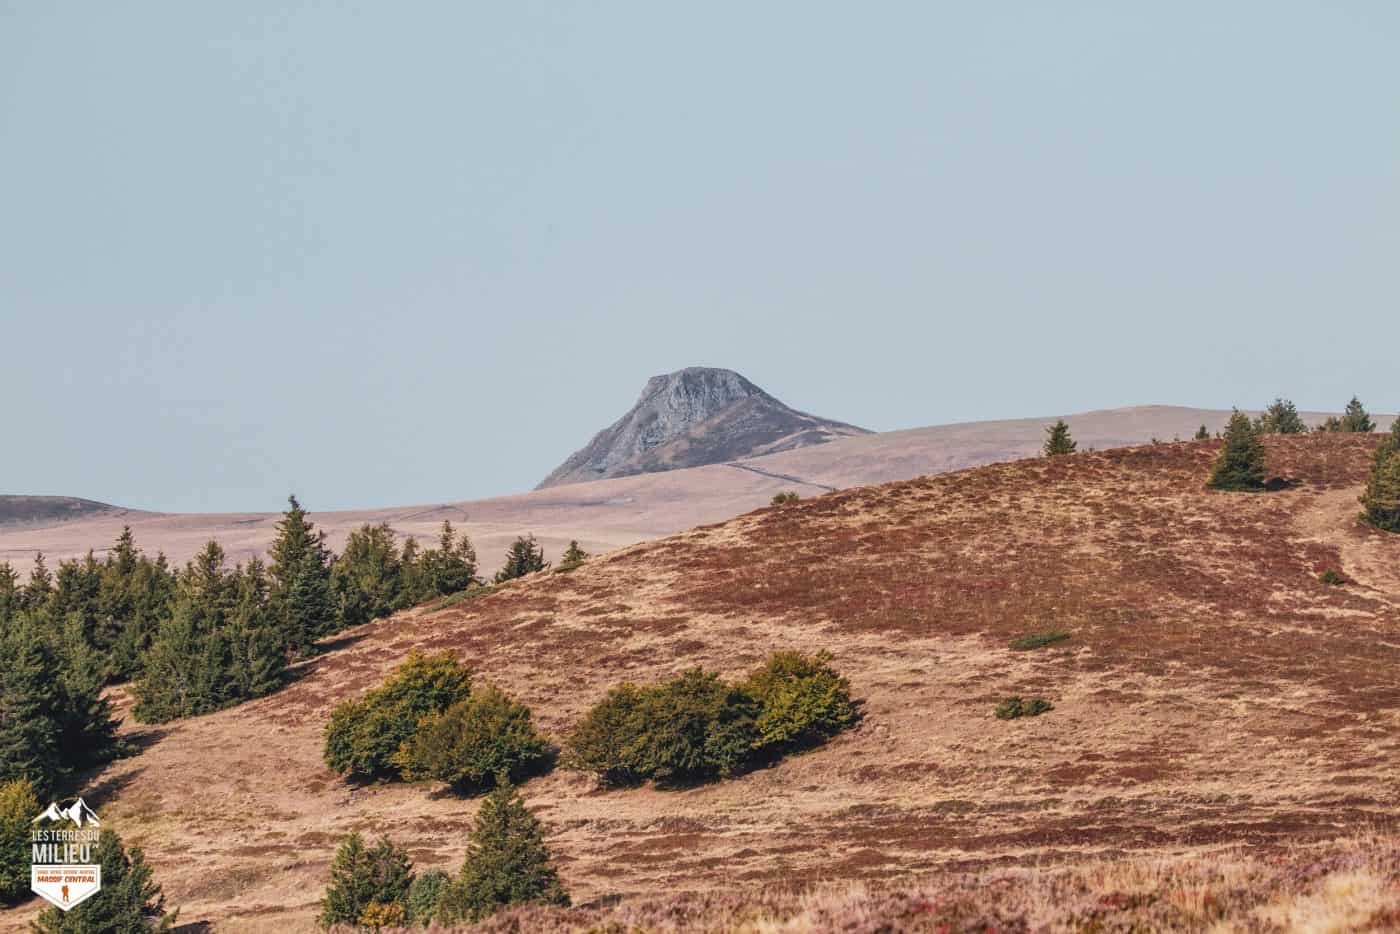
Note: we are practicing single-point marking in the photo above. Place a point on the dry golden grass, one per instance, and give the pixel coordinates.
(1213, 695)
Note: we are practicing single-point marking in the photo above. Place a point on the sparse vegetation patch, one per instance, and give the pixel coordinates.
(1016, 707)
(1038, 640)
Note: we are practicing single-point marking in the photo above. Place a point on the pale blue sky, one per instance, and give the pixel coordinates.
(385, 253)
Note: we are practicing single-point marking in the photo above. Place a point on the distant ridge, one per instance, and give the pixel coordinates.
(694, 417)
(46, 510)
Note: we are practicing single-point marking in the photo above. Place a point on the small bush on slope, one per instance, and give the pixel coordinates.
(364, 882)
(507, 863)
(801, 700)
(697, 727)
(1038, 640)
(364, 735)
(472, 742)
(1015, 707)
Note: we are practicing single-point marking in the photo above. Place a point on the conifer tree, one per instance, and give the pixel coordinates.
(1381, 497)
(1059, 442)
(129, 901)
(1280, 418)
(40, 586)
(299, 571)
(18, 805)
(1202, 434)
(11, 596)
(574, 556)
(29, 724)
(367, 578)
(507, 862)
(1355, 418)
(1240, 465)
(525, 556)
(362, 876)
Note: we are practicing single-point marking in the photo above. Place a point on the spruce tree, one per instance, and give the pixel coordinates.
(574, 556)
(1381, 498)
(30, 700)
(367, 578)
(1202, 434)
(1355, 418)
(129, 901)
(1240, 465)
(525, 556)
(299, 571)
(363, 876)
(40, 586)
(1280, 418)
(507, 862)
(18, 805)
(1059, 442)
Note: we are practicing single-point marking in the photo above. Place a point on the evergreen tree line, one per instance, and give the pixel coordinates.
(195, 639)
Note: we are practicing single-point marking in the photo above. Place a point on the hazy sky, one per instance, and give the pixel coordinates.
(389, 253)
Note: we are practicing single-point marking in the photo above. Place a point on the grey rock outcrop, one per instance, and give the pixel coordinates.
(693, 417)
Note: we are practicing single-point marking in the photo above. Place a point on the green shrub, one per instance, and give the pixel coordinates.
(472, 742)
(128, 901)
(692, 727)
(785, 497)
(1014, 707)
(423, 894)
(18, 805)
(801, 700)
(1333, 578)
(603, 740)
(697, 727)
(507, 863)
(1037, 640)
(364, 735)
(362, 877)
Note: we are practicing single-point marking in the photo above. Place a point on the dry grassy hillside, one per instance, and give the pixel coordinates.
(1213, 691)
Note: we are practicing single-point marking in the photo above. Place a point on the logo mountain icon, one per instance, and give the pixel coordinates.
(78, 812)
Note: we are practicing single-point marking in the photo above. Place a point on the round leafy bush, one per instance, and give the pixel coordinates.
(801, 700)
(364, 735)
(474, 741)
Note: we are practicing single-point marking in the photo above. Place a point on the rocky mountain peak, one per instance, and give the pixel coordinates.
(693, 417)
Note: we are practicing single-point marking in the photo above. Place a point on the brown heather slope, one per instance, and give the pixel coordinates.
(1214, 692)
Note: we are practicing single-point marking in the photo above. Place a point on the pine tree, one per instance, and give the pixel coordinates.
(367, 578)
(1280, 418)
(18, 805)
(1059, 442)
(299, 571)
(363, 876)
(525, 556)
(1240, 465)
(29, 702)
(128, 902)
(40, 586)
(1381, 498)
(574, 556)
(1355, 418)
(507, 862)
(1202, 434)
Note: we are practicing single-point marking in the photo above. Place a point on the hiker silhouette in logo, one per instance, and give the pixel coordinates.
(65, 893)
